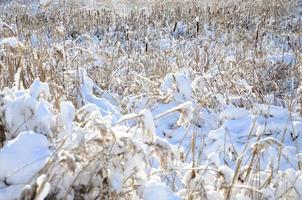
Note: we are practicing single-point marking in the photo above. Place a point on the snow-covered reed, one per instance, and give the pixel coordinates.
(167, 100)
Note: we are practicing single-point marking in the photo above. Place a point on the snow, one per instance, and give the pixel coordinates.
(104, 106)
(43, 187)
(11, 192)
(18, 111)
(268, 193)
(164, 44)
(136, 137)
(148, 122)
(214, 195)
(232, 112)
(67, 116)
(199, 84)
(38, 89)
(23, 156)
(11, 42)
(186, 114)
(184, 85)
(287, 58)
(298, 185)
(180, 28)
(291, 176)
(44, 2)
(227, 173)
(241, 197)
(183, 88)
(25, 110)
(116, 181)
(43, 117)
(231, 59)
(158, 191)
(214, 158)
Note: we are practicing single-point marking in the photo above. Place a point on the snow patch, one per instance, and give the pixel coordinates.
(24, 157)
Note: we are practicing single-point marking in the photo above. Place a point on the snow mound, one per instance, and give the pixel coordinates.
(28, 110)
(24, 157)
